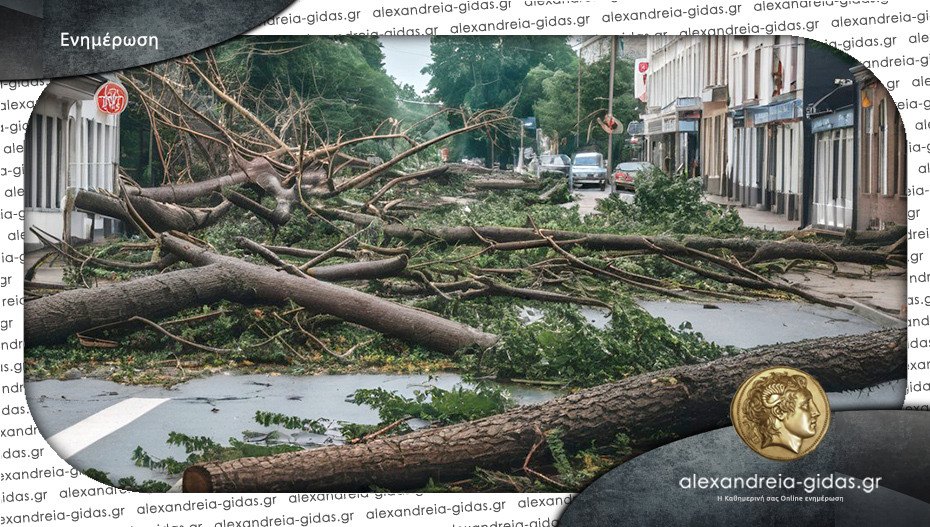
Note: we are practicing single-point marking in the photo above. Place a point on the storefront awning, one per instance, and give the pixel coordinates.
(782, 111)
(840, 119)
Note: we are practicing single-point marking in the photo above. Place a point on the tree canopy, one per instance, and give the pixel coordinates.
(485, 72)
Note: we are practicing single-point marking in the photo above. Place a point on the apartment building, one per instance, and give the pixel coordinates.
(674, 87)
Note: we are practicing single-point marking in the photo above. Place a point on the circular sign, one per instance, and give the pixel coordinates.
(111, 98)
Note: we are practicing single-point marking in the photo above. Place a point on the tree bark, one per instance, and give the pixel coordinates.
(258, 171)
(503, 184)
(159, 216)
(875, 238)
(53, 318)
(681, 401)
(760, 250)
(370, 270)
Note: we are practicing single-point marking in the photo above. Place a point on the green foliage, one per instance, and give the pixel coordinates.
(622, 444)
(201, 449)
(314, 426)
(560, 459)
(481, 72)
(559, 97)
(484, 72)
(562, 119)
(129, 483)
(562, 345)
(341, 80)
(435, 404)
(668, 204)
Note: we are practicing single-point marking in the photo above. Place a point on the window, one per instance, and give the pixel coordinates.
(791, 76)
(865, 176)
(883, 146)
(721, 144)
(837, 158)
(744, 88)
(93, 155)
(43, 143)
(784, 155)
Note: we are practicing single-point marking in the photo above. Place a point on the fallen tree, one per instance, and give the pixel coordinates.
(754, 250)
(680, 401)
(760, 250)
(158, 216)
(53, 318)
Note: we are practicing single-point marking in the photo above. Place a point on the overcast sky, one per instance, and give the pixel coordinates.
(405, 57)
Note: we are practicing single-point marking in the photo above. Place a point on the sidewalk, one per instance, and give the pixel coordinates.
(878, 295)
(752, 217)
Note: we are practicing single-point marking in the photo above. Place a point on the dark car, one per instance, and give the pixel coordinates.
(625, 173)
(553, 163)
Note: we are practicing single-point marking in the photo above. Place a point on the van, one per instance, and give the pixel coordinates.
(589, 167)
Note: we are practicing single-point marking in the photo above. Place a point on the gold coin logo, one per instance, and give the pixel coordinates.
(781, 413)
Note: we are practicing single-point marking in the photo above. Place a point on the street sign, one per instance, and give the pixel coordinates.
(610, 124)
(529, 123)
(111, 98)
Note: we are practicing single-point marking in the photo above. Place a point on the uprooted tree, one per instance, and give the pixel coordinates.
(258, 200)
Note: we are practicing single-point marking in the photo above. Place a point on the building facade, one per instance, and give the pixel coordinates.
(766, 102)
(673, 103)
(881, 156)
(829, 168)
(771, 122)
(716, 126)
(69, 143)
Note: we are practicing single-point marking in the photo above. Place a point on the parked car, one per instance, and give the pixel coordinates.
(625, 173)
(560, 163)
(589, 168)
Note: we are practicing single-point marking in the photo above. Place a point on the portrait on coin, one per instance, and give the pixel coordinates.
(779, 410)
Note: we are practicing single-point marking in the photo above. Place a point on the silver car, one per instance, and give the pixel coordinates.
(560, 163)
(589, 168)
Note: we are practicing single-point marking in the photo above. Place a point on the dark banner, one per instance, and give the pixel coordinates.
(58, 38)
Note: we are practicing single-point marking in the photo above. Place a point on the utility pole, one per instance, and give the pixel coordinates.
(578, 118)
(610, 111)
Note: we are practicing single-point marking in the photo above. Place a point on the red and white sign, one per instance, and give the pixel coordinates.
(610, 124)
(639, 79)
(111, 98)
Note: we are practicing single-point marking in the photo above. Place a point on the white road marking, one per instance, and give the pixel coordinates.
(81, 435)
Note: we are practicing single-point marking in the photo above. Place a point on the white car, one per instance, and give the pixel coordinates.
(589, 168)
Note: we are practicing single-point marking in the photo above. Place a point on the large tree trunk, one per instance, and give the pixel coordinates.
(53, 318)
(680, 401)
(258, 171)
(159, 216)
(761, 250)
(757, 250)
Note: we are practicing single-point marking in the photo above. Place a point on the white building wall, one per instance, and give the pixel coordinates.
(84, 153)
(676, 66)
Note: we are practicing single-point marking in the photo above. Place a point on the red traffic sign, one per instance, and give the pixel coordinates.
(111, 98)
(610, 124)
